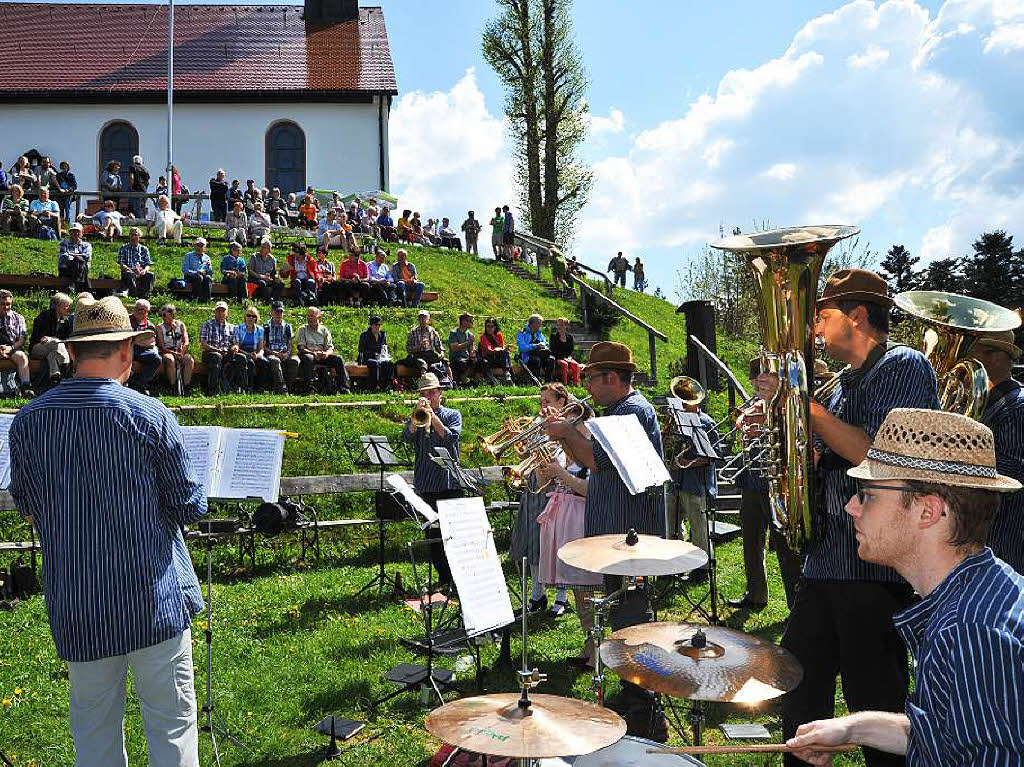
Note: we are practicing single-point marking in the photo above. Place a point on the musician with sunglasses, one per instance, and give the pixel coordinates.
(841, 619)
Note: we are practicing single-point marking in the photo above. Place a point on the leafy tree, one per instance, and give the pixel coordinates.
(897, 268)
(943, 275)
(994, 271)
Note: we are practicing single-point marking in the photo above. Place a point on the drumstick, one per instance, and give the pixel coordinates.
(764, 748)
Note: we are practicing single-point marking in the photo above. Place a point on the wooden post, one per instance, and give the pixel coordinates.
(78, 207)
(654, 358)
(583, 307)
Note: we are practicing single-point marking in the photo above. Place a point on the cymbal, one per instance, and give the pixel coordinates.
(650, 555)
(732, 666)
(552, 726)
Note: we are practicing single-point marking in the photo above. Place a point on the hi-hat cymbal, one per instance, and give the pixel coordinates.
(552, 726)
(730, 666)
(650, 555)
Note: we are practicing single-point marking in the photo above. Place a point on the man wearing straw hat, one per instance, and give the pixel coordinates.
(1004, 415)
(109, 505)
(926, 494)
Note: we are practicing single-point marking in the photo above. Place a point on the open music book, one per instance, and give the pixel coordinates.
(631, 452)
(235, 464)
(5, 450)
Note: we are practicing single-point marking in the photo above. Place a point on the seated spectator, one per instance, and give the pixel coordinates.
(49, 331)
(13, 335)
(219, 196)
(373, 352)
(567, 370)
(430, 234)
(423, 347)
(277, 208)
(235, 194)
(493, 353)
(353, 280)
(166, 223)
(533, 349)
(248, 364)
(404, 227)
(111, 183)
(354, 212)
(45, 211)
(293, 211)
(262, 272)
(382, 283)
(144, 351)
(278, 337)
(136, 266)
(5, 182)
(328, 290)
(14, 211)
(415, 235)
(386, 225)
(368, 223)
(449, 239)
(308, 212)
(172, 343)
(73, 258)
(236, 224)
(198, 271)
(259, 224)
(67, 185)
(462, 349)
(316, 348)
(233, 272)
(251, 197)
(215, 341)
(302, 270)
(408, 287)
(108, 221)
(331, 230)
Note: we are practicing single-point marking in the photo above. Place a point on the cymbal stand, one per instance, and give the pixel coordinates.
(710, 614)
(601, 607)
(528, 678)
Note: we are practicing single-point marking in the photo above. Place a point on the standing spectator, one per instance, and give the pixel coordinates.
(108, 221)
(177, 192)
(251, 196)
(13, 335)
(263, 273)
(144, 351)
(278, 337)
(508, 230)
(136, 266)
(619, 266)
(5, 183)
(49, 331)
(46, 176)
(409, 288)
(448, 237)
(73, 258)
(235, 194)
(558, 269)
(308, 212)
(462, 349)
(316, 348)
(248, 364)
(111, 184)
(215, 342)
(232, 270)
(166, 223)
(236, 224)
(533, 349)
(45, 211)
(22, 175)
(198, 271)
(67, 185)
(303, 273)
(373, 352)
(471, 226)
(386, 225)
(497, 227)
(328, 289)
(172, 343)
(277, 208)
(353, 280)
(423, 347)
(138, 181)
(14, 211)
(639, 282)
(259, 224)
(219, 195)
(382, 283)
(567, 370)
(493, 353)
(162, 188)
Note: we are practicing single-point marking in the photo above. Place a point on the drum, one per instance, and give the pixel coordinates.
(627, 752)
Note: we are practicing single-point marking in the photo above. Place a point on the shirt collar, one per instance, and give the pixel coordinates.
(610, 408)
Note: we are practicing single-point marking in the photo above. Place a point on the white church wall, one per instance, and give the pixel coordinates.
(341, 139)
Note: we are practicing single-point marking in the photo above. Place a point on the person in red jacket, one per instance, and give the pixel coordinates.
(354, 280)
(301, 268)
(492, 353)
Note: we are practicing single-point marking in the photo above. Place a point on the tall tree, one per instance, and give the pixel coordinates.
(993, 271)
(898, 269)
(943, 274)
(531, 49)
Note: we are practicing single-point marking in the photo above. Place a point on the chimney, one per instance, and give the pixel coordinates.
(331, 11)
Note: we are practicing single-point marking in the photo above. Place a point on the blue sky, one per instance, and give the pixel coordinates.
(905, 118)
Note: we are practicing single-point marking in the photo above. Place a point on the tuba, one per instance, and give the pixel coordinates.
(954, 323)
(786, 265)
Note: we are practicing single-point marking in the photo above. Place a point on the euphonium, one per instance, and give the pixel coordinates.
(954, 324)
(786, 265)
(690, 392)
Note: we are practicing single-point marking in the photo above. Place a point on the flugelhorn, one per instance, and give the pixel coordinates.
(421, 418)
(497, 443)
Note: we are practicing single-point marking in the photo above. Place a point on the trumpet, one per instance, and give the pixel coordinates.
(420, 418)
(497, 443)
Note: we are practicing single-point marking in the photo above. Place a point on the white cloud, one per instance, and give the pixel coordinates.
(781, 171)
(615, 122)
(872, 58)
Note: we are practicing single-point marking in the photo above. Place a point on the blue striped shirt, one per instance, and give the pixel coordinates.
(967, 639)
(610, 506)
(427, 476)
(103, 473)
(1004, 415)
(901, 377)
(700, 480)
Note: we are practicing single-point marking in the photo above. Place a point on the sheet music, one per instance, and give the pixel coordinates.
(5, 450)
(420, 506)
(202, 443)
(378, 450)
(476, 569)
(250, 465)
(630, 451)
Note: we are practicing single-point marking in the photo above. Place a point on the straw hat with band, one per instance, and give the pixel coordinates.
(103, 320)
(855, 285)
(934, 446)
(427, 382)
(1002, 340)
(609, 355)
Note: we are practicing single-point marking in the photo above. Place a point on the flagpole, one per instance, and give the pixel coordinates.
(170, 86)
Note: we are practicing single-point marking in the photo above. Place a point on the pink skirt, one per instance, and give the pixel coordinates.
(561, 522)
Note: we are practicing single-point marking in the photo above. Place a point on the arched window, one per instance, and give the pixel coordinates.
(118, 141)
(286, 157)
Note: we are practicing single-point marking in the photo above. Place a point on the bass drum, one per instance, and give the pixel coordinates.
(628, 752)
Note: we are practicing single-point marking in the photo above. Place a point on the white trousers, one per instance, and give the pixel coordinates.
(167, 697)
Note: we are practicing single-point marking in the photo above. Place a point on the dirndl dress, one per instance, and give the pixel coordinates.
(562, 522)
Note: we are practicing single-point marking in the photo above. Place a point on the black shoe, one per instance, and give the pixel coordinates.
(559, 608)
(746, 603)
(537, 605)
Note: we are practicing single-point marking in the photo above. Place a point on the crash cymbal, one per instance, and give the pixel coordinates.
(650, 555)
(552, 726)
(730, 666)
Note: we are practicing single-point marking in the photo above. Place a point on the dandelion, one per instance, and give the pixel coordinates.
(17, 691)
(6, 703)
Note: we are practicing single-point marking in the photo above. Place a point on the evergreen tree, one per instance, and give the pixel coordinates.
(943, 275)
(993, 272)
(897, 268)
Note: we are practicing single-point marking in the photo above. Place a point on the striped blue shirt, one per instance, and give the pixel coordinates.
(901, 377)
(700, 480)
(1004, 415)
(967, 639)
(103, 473)
(610, 506)
(427, 476)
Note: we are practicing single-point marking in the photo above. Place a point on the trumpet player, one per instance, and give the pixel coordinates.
(841, 618)
(433, 425)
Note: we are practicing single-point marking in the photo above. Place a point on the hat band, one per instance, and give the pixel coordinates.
(87, 332)
(932, 464)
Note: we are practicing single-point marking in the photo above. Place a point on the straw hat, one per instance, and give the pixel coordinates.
(103, 320)
(856, 284)
(609, 355)
(934, 446)
(1002, 340)
(427, 382)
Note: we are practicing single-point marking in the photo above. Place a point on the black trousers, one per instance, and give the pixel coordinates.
(214, 362)
(137, 285)
(267, 290)
(382, 373)
(334, 361)
(437, 555)
(236, 287)
(76, 271)
(541, 364)
(845, 628)
(220, 209)
(354, 290)
(755, 520)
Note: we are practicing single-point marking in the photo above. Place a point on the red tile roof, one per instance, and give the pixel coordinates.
(120, 51)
